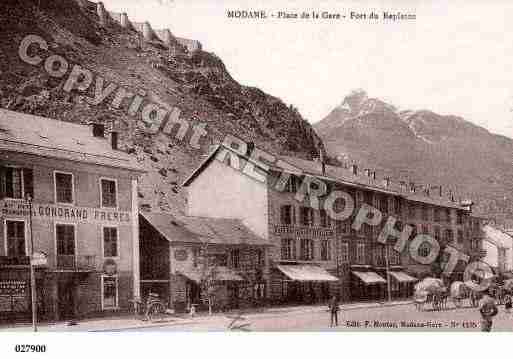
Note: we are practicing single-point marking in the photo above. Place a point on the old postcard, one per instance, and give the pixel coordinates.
(200, 166)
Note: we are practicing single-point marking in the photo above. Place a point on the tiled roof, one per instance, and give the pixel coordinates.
(46, 137)
(186, 229)
(340, 175)
(346, 176)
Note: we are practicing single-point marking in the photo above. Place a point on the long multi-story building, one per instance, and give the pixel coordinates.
(313, 256)
(67, 189)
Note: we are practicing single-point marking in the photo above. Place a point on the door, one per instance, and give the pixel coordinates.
(66, 299)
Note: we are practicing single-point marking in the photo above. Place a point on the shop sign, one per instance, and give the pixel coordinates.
(13, 296)
(18, 208)
(181, 254)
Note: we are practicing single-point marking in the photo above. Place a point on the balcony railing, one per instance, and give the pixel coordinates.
(76, 263)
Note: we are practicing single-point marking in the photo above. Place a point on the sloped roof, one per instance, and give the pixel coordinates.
(185, 229)
(340, 175)
(41, 136)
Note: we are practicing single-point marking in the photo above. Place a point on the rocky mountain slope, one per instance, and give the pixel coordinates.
(198, 84)
(423, 146)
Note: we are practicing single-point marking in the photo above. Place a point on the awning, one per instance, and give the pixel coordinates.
(369, 277)
(306, 273)
(221, 274)
(403, 277)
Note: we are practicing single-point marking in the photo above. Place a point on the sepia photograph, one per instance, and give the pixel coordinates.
(171, 166)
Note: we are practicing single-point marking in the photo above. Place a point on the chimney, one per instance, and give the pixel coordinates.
(354, 169)
(404, 186)
(367, 172)
(386, 181)
(98, 129)
(467, 204)
(426, 191)
(114, 136)
(250, 147)
(412, 187)
(451, 196)
(440, 189)
(124, 20)
(373, 175)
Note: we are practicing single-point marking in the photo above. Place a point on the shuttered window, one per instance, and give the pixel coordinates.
(63, 187)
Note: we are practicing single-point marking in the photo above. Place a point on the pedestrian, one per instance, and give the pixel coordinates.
(334, 308)
(507, 303)
(488, 310)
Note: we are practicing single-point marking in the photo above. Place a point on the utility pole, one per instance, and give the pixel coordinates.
(389, 291)
(33, 291)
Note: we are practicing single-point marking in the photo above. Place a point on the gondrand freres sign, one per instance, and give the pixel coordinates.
(20, 209)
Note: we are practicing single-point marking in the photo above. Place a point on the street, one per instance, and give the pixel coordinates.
(395, 318)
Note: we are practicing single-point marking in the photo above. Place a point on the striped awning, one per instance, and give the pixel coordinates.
(402, 277)
(306, 273)
(369, 278)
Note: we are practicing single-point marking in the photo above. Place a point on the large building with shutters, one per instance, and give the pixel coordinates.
(312, 256)
(67, 189)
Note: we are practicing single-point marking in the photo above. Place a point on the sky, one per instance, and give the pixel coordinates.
(453, 59)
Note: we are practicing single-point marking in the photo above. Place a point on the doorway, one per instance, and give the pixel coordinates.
(66, 299)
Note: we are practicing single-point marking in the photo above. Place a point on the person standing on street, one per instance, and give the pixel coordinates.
(508, 303)
(488, 310)
(334, 308)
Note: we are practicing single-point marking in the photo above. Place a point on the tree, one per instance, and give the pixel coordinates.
(209, 276)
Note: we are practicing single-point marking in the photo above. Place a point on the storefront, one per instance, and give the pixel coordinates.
(198, 258)
(302, 284)
(367, 286)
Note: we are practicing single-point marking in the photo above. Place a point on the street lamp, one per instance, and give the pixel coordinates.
(33, 291)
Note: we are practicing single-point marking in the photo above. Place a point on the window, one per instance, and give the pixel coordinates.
(325, 219)
(437, 233)
(344, 226)
(307, 216)
(109, 193)
(424, 249)
(291, 185)
(15, 239)
(65, 237)
(287, 214)
(437, 215)
(196, 254)
(360, 253)
(109, 292)
(110, 242)
(325, 250)
(447, 215)
(63, 187)
(16, 182)
(460, 236)
(220, 259)
(288, 249)
(448, 235)
(306, 249)
(394, 256)
(383, 205)
(235, 258)
(411, 211)
(424, 213)
(369, 198)
(344, 252)
(378, 256)
(397, 205)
